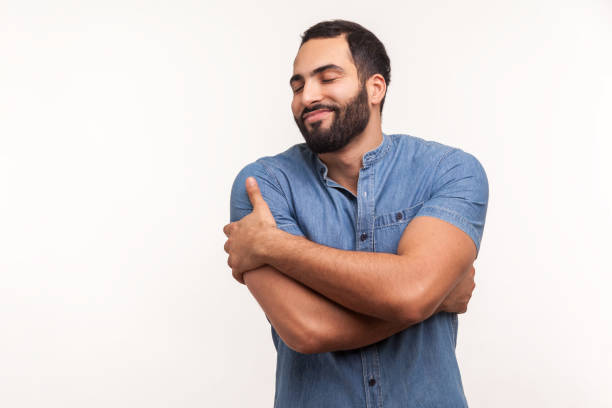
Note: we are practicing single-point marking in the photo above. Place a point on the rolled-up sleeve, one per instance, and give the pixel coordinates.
(460, 194)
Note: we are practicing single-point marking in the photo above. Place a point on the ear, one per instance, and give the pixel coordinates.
(377, 88)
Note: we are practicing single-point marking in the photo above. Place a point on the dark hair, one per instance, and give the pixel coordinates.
(368, 52)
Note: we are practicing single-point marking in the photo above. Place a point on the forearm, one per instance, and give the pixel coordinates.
(383, 285)
(309, 322)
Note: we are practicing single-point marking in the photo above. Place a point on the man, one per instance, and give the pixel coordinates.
(358, 245)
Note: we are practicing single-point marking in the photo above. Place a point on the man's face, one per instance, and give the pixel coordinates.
(330, 105)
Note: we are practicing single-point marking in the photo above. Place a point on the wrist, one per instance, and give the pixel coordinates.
(269, 244)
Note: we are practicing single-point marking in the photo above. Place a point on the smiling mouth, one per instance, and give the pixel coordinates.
(316, 115)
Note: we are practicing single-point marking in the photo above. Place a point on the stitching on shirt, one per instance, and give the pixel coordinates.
(444, 156)
(395, 224)
(269, 172)
(377, 368)
(461, 217)
(365, 375)
(372, 208)
(456, 215)
(406, 211)
(384, 150)
(278, 187)
(387, 147)
(358, 223)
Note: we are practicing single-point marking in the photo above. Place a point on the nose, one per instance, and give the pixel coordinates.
(311, 93)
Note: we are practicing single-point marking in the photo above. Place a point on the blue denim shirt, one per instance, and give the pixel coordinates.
(403, 178)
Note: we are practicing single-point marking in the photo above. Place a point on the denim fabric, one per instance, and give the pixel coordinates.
(403, 178)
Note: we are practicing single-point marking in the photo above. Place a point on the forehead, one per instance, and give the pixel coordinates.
(323, 51)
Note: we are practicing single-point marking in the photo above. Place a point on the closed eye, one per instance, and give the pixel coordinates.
(325, 81)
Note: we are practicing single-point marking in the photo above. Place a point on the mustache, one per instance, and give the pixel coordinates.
(320, 106)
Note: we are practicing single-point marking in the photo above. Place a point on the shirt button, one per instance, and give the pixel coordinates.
(372, 382)
(399, 216)
(364, 236)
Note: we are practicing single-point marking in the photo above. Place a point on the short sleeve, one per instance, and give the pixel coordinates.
(240, 205)
(460, 194)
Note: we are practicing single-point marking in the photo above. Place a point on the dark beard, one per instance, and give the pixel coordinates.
(347, 123)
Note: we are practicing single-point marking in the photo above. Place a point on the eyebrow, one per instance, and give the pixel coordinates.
(298, 77)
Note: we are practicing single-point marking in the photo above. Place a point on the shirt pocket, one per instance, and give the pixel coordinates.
(389, 227)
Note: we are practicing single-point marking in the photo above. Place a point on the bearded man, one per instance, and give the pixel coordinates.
(358, 245)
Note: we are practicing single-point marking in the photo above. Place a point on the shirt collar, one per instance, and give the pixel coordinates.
(375, 155)
(369, 158)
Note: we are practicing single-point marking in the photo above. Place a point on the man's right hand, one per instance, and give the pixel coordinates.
(457, 301)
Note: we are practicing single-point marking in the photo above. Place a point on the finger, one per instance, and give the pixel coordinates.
(226, 246)
(229, 261)
(469, 276)
(254, 194)
(238, 276)
(226, 229)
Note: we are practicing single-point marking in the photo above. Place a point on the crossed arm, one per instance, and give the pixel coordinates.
(324, 299)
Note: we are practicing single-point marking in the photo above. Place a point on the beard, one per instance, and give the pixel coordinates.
(348, 122)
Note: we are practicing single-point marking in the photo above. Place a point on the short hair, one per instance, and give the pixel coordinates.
(368, 52)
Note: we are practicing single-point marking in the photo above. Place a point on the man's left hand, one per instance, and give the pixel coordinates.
(247, 238)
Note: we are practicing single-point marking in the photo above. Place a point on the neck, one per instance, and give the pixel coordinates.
(343, 165)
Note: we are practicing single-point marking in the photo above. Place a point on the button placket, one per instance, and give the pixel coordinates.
(365, 217)
(371, 376)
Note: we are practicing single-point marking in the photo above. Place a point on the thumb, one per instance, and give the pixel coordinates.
(254, 194)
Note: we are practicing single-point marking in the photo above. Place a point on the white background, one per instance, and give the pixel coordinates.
(124, 123)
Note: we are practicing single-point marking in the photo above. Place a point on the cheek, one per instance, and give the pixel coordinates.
(295, 108)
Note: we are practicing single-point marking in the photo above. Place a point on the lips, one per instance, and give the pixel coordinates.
(316, 115)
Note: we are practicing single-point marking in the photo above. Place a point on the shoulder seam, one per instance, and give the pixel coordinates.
(444, 156)
(271, 174)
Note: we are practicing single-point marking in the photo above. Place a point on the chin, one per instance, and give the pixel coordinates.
(324, 124)
(317, 126)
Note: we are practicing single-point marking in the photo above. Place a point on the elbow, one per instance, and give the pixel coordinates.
(306, 348)
(408, 315)
(409, 308)
(305, 345)
(305, 339)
